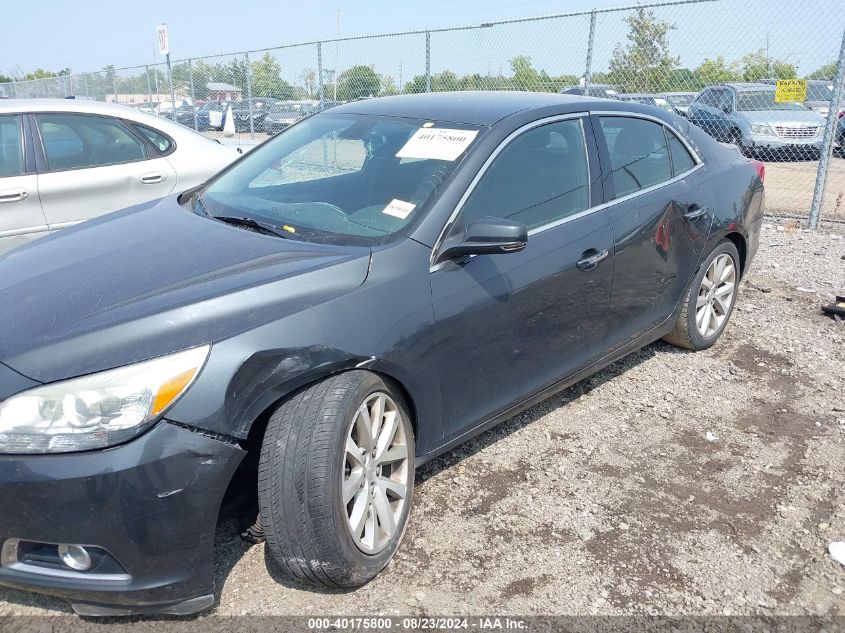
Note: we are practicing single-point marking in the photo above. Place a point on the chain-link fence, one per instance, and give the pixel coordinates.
(716, 62)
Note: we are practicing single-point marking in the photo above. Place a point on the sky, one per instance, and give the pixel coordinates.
(86, 35)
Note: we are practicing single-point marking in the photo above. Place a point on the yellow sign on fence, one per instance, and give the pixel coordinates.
(791, 90)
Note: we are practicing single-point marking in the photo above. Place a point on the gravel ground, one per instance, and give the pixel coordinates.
(671, 483)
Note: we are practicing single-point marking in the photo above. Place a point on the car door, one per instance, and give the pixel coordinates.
(510, 324)
(92, 164)
(661, 209)
(21, 216)
(703, 112)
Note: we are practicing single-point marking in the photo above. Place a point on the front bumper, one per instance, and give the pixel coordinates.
(150, 506)
(776, 144)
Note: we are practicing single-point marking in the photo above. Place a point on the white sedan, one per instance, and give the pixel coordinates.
(66, 161)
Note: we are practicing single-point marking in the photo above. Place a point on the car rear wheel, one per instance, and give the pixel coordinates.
(336, 478)
(710, 300)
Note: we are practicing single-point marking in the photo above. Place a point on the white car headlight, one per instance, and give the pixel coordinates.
(762, 129)
(97, 410)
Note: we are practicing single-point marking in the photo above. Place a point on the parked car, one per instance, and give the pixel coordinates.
(212, 115)
(241, 112)
(605, 91)
(351, 299)
(184, 114)
(62, 162)
(747, 115)
(819, 94)
(678, 101)
(654, 101)
(285, 113)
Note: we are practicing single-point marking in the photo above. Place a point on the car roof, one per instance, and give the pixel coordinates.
(635, 95)
(84, 106)
(64, 105)
(470, 107)
(742, 87)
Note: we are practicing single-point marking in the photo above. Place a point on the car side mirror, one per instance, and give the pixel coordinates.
(487, 236)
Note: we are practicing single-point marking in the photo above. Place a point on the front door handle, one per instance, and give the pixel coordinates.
(151, 178)
(590, 259)
(13, 195)
(694, 212)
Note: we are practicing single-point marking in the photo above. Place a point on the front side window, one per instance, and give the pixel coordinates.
(11, 146)
(639, 156)
(707, 98)
(538, 178)
(342, 179)
(72, 141)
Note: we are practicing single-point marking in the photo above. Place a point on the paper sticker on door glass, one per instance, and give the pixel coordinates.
(399, 209)
(438, 143)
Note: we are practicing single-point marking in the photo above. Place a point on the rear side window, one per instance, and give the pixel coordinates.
(538, 178)
(681, 159)
(161, 142)
(72, 141)
(11, 146)
(639, 156)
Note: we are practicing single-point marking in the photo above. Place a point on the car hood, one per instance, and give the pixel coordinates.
(154, 279)
(783, 117)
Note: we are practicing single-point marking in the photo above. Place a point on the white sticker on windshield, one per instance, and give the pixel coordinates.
(399, 209)
(438, 143)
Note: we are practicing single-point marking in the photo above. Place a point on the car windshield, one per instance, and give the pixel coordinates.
(819, 92)
(757, 100)
(341, 179)
(679, 100)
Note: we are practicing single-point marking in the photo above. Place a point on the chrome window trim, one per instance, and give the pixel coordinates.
(669, 126)
(553, 119)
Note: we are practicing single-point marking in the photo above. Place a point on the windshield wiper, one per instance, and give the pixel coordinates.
(257, 225)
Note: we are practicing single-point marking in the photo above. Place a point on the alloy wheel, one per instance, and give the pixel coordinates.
(376, 475)
(715, 295)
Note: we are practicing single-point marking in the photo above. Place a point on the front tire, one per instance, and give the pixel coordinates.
(336, 479)
(710, 300)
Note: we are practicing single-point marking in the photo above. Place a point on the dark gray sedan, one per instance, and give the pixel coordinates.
(365, 291)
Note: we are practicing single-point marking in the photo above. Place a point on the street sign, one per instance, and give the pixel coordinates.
(791, 90)
(163, 44)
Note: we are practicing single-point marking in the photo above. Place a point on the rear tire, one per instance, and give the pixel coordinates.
(319, 474)
(709, 301)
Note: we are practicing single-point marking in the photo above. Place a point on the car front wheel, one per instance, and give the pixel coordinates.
(336, 478)
(710, 300)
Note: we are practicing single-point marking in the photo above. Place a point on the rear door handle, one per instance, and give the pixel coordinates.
(590, 259)
(13, 195)
(151, 178)
(694, 212)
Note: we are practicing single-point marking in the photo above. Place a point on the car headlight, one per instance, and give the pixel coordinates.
(762, 129)
(97, 410)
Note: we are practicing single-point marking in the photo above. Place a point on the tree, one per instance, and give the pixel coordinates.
(40, 73)
(715, 71)
(758, 65)
(644, 64)
(4, 79)
(358, 82)
(388, 86)
(525, 77)
(266, 79)
(828, 71)
(308, 77)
